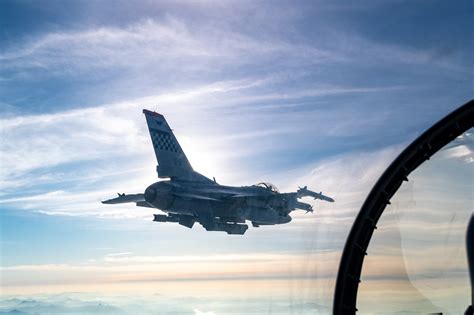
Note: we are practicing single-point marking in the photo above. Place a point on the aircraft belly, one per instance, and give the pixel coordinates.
(268, 216)
(196, 206)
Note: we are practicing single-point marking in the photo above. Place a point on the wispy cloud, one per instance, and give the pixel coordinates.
(119, 254)
(155, 47)
(128, 270)
(161, 45)
(198, 312)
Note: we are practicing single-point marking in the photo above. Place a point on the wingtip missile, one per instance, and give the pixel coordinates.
(325, 198)
(305, 192)
(304, 206)
(123, 198)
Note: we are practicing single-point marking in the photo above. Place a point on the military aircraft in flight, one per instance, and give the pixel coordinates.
(189, 197)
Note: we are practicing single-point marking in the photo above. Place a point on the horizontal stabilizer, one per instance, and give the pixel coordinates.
(122, 198)
(145, 204)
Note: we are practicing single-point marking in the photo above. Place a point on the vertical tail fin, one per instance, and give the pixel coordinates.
(172, 162)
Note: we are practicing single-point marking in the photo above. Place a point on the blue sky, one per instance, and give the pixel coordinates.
(316, 93)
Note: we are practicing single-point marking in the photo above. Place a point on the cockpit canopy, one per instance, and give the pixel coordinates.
(268, 186)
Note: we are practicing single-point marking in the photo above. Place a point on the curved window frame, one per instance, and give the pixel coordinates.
(420, 150)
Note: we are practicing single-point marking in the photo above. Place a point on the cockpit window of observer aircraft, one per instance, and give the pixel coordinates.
(235, 157)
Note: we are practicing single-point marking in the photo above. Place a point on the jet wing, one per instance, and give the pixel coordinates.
(122, 198)
(145, 204)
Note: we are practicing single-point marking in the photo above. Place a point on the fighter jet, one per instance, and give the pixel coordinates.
(188, 197)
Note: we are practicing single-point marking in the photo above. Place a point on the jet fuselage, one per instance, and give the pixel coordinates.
(231, 204)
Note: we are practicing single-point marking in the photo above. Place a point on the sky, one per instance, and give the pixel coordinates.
(317, 93)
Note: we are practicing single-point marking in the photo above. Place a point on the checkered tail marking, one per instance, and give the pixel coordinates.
(163, 141)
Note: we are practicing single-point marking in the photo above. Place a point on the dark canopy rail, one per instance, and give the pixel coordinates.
(355, 249)
(470, 258)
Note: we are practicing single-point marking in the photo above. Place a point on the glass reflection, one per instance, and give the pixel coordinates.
(417, 260)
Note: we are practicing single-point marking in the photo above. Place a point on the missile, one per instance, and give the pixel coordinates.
(305, 192)
(122, 198)
(304, 206)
